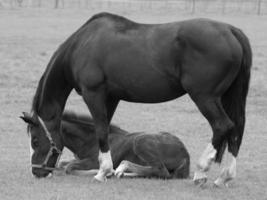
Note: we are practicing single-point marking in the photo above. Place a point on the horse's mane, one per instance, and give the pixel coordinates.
(108, 15)
(38, 94)
(36, 98)
(73, 117)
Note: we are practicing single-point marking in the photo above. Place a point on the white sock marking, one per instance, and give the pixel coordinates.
(106, 166)
(204, 163)
(207, 156)
(232, 168)
(227, 173)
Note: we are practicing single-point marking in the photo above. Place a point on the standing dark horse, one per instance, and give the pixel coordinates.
(111, 58)
(137, 154)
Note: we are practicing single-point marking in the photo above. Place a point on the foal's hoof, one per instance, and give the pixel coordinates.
(200, 182)
(119, 174)
(99, 178)
(110, 174)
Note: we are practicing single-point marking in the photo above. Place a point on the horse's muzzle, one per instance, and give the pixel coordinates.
(40, 173)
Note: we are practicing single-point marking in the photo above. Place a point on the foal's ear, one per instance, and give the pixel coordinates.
(28, 118)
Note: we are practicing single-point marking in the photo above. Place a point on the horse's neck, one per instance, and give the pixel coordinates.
(53, 91)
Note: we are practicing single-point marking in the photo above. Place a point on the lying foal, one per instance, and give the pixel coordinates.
(160, 155)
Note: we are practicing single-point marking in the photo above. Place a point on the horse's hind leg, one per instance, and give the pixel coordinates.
(212, 109)
(228, 173)
(102, 112)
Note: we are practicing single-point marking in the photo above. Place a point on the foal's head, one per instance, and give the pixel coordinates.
(45, 150)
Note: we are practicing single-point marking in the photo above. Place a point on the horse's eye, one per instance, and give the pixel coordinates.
(35, 143)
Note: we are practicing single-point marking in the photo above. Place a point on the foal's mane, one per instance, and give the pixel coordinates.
(73, 117)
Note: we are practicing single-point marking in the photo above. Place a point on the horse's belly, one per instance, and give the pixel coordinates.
(144, 84)
(144, 91)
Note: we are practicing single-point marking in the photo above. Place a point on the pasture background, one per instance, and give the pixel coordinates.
(28, 38)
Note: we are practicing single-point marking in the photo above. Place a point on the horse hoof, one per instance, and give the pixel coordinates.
(216, 185)
(200, 182)
(221, 183)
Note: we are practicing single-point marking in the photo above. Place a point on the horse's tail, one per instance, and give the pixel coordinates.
(234, 99)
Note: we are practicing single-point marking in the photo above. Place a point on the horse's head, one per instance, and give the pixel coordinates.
(45, 146)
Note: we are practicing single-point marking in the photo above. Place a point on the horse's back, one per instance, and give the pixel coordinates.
(166, 58)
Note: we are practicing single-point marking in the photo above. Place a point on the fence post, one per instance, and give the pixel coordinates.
(193, 6)
(259, 7)
(223, 6)
(56, 4)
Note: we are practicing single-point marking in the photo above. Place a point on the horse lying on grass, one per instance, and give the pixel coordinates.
(139, 154)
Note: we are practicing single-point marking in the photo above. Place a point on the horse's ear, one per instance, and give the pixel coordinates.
(28, 118)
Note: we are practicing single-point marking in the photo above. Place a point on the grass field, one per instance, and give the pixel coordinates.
(29, 37)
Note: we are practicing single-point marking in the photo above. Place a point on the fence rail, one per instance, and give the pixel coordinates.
(189, 6)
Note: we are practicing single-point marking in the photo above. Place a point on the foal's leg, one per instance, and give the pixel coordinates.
(84, 164)
(96, 101)
(221, 124)
(84, 167)
(147, 150)
(127, 168)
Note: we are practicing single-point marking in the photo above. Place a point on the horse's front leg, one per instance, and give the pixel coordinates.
(98, 104)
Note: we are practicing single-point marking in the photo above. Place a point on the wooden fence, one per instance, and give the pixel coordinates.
(187, 6)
